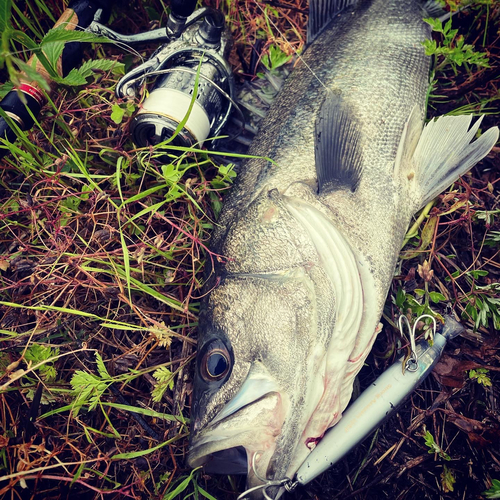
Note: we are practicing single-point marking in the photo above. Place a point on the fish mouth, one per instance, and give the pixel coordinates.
(241, 439)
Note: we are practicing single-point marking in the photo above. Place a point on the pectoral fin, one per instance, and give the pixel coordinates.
(445, 152)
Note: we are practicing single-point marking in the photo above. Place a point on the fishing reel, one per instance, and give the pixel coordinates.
(193, 94)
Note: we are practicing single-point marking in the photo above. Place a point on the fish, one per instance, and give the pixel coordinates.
(309, 236)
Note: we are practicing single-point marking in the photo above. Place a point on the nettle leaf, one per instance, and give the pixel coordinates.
(73, 78)
(53, 51)
(60, 34)
(88, 67)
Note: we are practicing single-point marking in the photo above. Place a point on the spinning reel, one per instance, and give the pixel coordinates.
(193, 94)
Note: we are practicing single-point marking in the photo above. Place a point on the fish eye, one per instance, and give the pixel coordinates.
(215, 362)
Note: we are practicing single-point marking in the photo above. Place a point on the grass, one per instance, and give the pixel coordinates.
(102, 248)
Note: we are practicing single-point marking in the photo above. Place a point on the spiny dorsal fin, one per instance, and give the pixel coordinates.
(337, 148)
(321, 12)
(445, 152)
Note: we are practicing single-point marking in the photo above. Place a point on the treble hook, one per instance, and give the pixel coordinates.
(412, 362)
(285, 483)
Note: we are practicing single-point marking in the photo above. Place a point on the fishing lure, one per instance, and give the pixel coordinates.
(377, 403)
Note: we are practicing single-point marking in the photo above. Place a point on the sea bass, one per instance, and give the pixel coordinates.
(311, 232)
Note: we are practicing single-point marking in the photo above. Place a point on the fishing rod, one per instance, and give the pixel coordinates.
(22, 105)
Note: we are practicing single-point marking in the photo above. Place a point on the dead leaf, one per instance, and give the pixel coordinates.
(450, 371)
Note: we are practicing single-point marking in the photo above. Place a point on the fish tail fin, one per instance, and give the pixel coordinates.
(444, 152)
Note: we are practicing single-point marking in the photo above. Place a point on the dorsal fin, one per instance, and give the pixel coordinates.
(321, 12)
(337, 148)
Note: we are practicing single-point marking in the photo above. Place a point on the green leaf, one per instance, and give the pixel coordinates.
(428, 232)
(101, 367)
(117, 113)
(60, 34)
(171, 173)
(165, 380)
(88, 67)
(53, 51)
(400, 298)
(23, 39)
(5, 88)
(32, 74)
(73, 79)
(5, 14)
(205, 494)
(38, 353)
(436, 297)
(180, 488)
(136, 454)
(275, 58)
(435, 24)
(147, 412)
(481, 376)
(477, 273)
(447, 480)
(494, 491)
(433, 446)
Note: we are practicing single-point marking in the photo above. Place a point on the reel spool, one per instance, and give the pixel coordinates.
(194, 90)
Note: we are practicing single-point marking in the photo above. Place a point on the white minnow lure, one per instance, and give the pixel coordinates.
(375, 404)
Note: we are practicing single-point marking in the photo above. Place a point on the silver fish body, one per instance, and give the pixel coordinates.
(293, 308)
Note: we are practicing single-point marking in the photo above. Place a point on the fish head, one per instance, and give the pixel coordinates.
(256, 376)
(249, 378)
(262, 339)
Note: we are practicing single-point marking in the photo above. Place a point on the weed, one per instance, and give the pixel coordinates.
(447, 480)
(493, 239)
(88, 388)
(165, 380)
(433, 446)
(275, 58)
(102, 248)
(494, 491)
(453, 51)
(36, 354)
(480, 375)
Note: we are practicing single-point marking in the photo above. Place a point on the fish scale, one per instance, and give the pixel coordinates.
(310, 234)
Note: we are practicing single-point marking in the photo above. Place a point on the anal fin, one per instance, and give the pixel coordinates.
(445, 152)
(338, 155)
